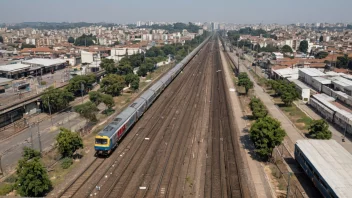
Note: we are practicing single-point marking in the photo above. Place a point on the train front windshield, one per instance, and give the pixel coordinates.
(101, 141)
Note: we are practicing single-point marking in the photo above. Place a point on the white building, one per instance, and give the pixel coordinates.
(303, 89)
(89, 57)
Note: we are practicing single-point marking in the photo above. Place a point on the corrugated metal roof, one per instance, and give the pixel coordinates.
(312, 72)
(45, 62)
(332, 161)
(300, 84)
(322, 80)
(14, 67)
(325, 100)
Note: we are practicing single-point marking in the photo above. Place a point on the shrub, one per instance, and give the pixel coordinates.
(66, 162)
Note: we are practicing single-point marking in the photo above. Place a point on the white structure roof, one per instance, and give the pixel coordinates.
(287, 73)
(45, 62)
(325, 99)
(312, 72)
(300, 84)
(341, 81)
(322, 80)
(14, 67)
(332, 161)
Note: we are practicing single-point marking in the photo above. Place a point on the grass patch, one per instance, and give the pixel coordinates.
(108, 111)
(6, 188)
(299, 118)
(58, 174)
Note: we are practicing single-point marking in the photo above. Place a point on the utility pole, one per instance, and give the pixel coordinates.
(288, 185)
(1, 171)
(32, 146)
(51, 117)
(82, 88)
(40, 142)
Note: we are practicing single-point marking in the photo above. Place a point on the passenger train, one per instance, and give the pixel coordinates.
(108, 139)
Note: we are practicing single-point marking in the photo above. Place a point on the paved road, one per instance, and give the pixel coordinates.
(47, 133)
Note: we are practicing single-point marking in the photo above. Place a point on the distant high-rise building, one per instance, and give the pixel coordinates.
(214, 26)
(138, 23)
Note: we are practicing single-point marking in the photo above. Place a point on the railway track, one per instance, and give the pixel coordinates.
(119, 185)
(164, 155)
(77, 184)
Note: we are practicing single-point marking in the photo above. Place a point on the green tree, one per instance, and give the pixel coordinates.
(321, 39)
(57, 99)
(32, 178)
(266, 133)
(124, 67)
(24, 45)
(70, 39)
(130, 78)
(135, 84)
(87, 110)
(85, 40)
(142, 71)
(113, 84)
(321, 55)
(95, 97)
(108, 100)
(29, 153)
(243, 80)
(319, 129)
(258, 108)
(303, 46)
(75, 84)
(286, 49)
(68, 142)
(344, 62)
(1, 39)
(108, 65)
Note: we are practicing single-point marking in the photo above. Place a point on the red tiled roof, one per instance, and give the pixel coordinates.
(38, 49)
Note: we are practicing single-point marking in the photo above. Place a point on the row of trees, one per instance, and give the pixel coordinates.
(55, 100)
(285, 90)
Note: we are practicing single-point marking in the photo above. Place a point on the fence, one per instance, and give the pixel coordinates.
(280, 158)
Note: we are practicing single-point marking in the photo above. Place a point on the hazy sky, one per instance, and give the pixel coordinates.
(130, 11)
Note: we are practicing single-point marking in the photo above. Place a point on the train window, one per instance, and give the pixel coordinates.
(101, 141)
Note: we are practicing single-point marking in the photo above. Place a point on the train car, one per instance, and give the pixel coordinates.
(140, 105)
(327, 164)
(149, 96)
(158, 87)
(166, 79)
(108, 138)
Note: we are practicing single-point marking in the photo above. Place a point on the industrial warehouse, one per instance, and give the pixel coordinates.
(328, 93)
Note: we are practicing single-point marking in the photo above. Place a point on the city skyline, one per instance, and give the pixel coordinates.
(272, 11)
